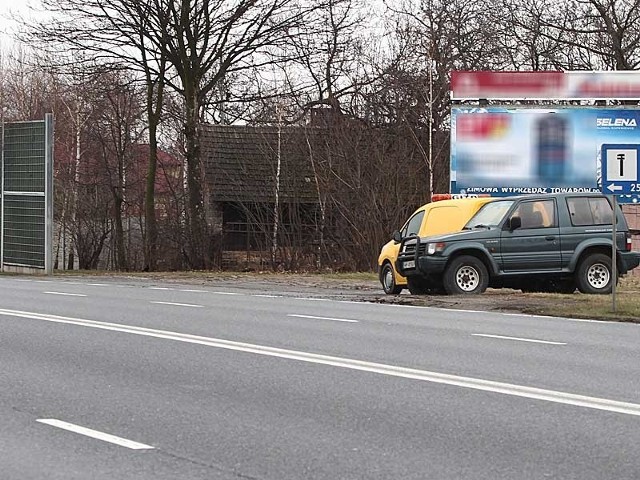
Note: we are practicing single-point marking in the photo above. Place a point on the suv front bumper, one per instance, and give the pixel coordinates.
(425, 265)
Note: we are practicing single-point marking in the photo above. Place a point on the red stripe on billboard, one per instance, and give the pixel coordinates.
(466, 84)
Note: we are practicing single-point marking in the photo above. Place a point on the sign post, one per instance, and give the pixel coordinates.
(619, 177)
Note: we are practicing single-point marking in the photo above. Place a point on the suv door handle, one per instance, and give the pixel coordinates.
(550, 237)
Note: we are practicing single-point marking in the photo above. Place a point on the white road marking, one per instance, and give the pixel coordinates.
(359, 365)
(98, 284)
(105, 437)
(323, 318)
(314, 299)
(267, 296)
(518, 339)
(464, 311)
(160, 288)
(194, 291)
(179, 304)
(526, 315)
(226, 293)
(66, 294)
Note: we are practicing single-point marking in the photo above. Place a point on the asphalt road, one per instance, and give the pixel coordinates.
(115, 379)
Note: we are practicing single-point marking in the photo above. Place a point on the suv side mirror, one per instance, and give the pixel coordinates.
(397, 236)
(515, 223)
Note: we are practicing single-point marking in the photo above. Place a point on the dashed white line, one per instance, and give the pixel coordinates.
(352, 364)
(324, 318)
(98, 284)
(226, 293)
(87, 432)
(194, 291)
(518, 339)
(160, 288)
(179, 304)
(267, 296)
(66, 294)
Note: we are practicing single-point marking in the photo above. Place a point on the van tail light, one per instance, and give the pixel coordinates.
(629, 242)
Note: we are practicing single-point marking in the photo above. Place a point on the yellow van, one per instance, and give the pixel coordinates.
(435, 218)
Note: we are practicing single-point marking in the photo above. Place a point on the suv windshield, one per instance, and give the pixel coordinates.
(490, 215)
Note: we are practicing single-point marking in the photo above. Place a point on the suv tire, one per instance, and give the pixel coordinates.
(388, 280)
(594, 274)
(465, 275)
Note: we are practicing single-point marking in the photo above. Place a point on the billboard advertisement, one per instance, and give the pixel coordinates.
(549, 85)
(509, 151)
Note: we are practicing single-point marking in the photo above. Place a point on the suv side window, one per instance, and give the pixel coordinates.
(536, 214)
(589, 211)
(413, 224)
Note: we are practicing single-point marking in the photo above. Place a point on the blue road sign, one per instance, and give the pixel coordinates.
(620, 169)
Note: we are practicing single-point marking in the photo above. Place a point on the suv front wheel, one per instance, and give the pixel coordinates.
(594, 274)
(465, 275)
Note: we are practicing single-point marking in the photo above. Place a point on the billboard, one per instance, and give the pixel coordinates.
(545, 85)
(509, 151)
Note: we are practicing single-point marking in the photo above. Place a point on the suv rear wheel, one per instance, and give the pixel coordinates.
(594, 274)
(466, 275)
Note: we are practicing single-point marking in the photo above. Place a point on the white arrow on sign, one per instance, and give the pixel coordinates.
(614, 188)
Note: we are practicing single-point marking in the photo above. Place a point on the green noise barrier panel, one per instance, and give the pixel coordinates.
(27, 211)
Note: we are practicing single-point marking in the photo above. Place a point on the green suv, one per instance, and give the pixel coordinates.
(535, 243)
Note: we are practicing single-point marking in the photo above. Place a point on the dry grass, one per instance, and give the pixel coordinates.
(578, 305)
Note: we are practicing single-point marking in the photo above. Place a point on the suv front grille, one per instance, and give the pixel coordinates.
(410, 249)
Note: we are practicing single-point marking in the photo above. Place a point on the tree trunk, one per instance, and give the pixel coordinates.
(197, 230)
(121, 258)
(151, 238)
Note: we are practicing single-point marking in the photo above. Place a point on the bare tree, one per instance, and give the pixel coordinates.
(579, 34)
(117, 130)
(116, 33)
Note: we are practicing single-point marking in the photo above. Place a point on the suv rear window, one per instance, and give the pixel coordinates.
(589, 211)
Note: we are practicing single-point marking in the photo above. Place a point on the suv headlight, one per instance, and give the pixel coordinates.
(433, 248)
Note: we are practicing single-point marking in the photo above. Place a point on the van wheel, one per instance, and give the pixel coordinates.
(466, 275)
(388, 280)
(594, 274)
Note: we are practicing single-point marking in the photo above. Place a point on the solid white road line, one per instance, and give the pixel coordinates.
(160, 288)
(105, 437)
(323, 318)
(518, 339)
(359, 365)
(98, 284)
(66, 294)
(193, 291)
(226, 293)
(179, 304)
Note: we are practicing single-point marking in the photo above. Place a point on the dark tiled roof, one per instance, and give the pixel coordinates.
(241, 162)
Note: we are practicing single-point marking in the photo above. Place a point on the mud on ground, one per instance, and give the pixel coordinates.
(364, 288)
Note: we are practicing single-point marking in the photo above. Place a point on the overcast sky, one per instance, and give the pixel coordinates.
(7, 25)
